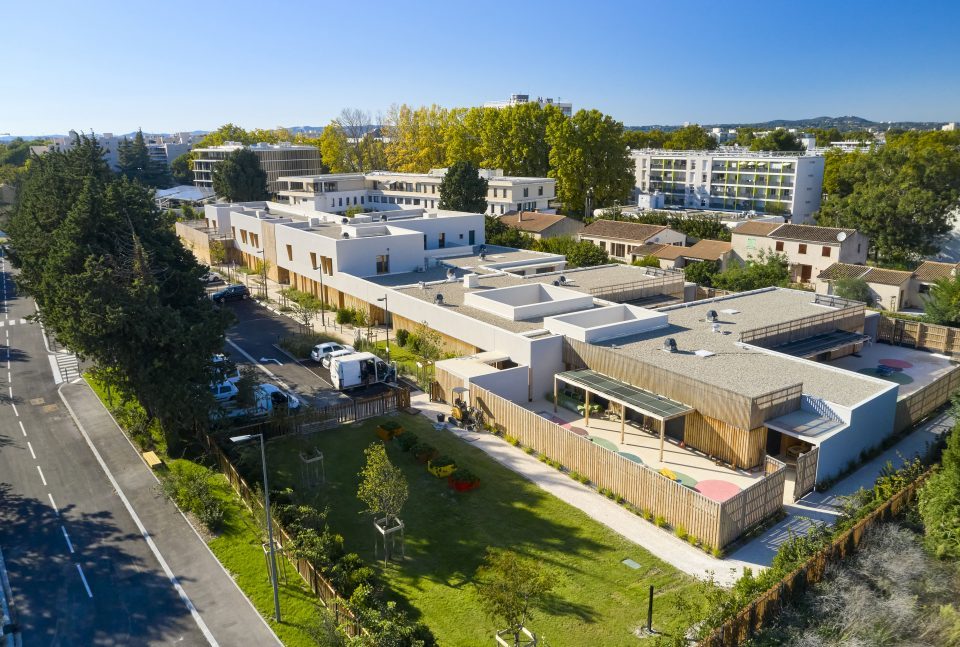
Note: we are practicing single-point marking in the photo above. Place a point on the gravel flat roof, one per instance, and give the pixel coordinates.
(733, 366)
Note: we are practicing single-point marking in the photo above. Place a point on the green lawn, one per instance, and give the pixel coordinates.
(597, 600)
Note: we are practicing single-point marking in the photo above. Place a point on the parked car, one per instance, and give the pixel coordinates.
(323, 351)
(223, 391)
(360, 369)
(280, 398)
(328, 358)
(211, 278)
(225, 368)
(231, 293)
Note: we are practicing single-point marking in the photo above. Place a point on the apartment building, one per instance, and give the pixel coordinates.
(518, 99)
(166, 148)
(277, 160)
(618, 237)
(387, 190)
(786, 184)
(809, 249)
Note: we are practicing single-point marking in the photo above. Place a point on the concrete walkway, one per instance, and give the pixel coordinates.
(229, 615)
(664, 545)
(825, 507)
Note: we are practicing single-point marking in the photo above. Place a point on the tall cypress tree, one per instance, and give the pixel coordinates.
(135, 163)
(239, 178)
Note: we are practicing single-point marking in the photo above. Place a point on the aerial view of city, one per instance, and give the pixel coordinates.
(436, 324)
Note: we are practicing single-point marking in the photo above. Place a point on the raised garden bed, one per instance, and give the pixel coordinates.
(463, 481)
(387, 431)
(442, 467)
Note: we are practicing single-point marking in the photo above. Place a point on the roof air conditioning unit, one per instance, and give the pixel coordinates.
(483, 256)
(712, 316)
(344, 221)
(423, 285)
(383, 218)
(345, 235)
(556, 283)
(451, 275)
(670, 345)
(563, 279)
(438, 299)
(715, 327)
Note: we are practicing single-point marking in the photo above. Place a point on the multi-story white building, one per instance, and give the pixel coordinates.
(787, 184)
(388, 191)
(166, 148)
(517, 99)
(276, 160)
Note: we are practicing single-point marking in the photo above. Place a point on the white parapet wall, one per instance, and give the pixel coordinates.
(611, 322)
(522, 302)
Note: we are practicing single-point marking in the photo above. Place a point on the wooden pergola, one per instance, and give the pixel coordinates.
(626, 395)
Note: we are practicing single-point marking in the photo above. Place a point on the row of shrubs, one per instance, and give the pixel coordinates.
(300, 345)
(460, 479)
(657, 520)
(353, 317)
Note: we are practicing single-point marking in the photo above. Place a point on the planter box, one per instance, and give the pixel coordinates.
(463, 486)
(442, 471)
(426, 458)
(389, 433)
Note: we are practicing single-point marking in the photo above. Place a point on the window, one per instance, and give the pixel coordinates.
(858, 248)
(526, 192)
(825, 252)
(779, 246)
(313, 260)
(752, 243)
(472, 237)
(289, 252)
(617, 249)
(540, 190)
(461, 236)
(443, 240)
(361, 199)
(802, 248)
(425, 241)
(924, 288)
(383, 264)
(603, 245)
(341, 202)
(243, 236)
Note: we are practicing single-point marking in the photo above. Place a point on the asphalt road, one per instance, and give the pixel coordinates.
(80, 571)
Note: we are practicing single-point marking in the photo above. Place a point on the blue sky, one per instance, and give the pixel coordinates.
(165, 66)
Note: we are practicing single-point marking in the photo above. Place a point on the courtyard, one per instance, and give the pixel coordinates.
(912, 369)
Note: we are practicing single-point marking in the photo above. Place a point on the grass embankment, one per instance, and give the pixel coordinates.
(597, 600)
(237, 544)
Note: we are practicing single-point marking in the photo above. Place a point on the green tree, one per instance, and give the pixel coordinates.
(462, 189)
(901, 195)
(639, 139)
(587, 154)
(239, 177)
(349, 145)
(114, 284)
(586, 254)
(942, 305)
(416, 138)
(498, 233)
(647, 261)
(780, 139)
(690, 138)
(702, 273)
(509, 587)
(853, 288)
(181, 169)
(940, 501)
(135, 163)
(762, 271)
(383, 488)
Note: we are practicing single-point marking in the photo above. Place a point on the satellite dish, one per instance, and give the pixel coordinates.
(841, 236)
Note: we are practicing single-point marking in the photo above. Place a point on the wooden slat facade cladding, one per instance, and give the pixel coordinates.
(741, 447)
(734, 409)
(849, 319)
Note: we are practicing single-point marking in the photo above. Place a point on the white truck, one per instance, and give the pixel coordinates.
(268, 398)
(360, 369)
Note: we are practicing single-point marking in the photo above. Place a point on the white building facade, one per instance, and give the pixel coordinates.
(389, 191)
(787, 184)
(518, 99)
(276, 160)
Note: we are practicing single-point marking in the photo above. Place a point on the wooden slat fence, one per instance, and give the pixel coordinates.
(806, 473)
(714, 523)
(320, 586)
(924, 401)
(917, 334)
(768, 605)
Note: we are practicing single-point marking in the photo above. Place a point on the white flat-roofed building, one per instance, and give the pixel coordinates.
(518, 99)
(387, 191)
(787, 184)
(276, 160)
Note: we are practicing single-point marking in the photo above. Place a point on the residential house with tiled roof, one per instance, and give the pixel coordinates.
(891, 289)
(542, 225)
(617, 237)
(809, 249)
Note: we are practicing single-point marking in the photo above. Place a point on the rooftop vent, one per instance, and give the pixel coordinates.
(423, 285)
(345, 235)
(563, 279)
(451, 275)
(557, 283)
(344, 221)
(438, 299)
(715, 327)
(670, 345)
(383, 218)
(712, 316)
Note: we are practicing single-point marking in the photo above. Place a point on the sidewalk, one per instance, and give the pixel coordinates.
(229, 615)
(824, 507)
(660, 543)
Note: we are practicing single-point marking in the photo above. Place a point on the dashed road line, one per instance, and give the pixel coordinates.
(32, 453)
(42, 477)
(22, 428)
(84, 578)
(66, 537)
(15, 412)
(53, 504)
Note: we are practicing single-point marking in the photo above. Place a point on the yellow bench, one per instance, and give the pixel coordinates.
(152, 460)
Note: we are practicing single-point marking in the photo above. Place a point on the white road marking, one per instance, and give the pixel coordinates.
(42, 478)
(30, 447)
(260, 366)
(143, 531)
(67, 537)
(84, 578)
(15, 412)
(22, 429)
(54, 504)
(10, 389)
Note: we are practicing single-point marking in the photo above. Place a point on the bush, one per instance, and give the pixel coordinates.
(407, 441)
(530, 450)
(680, 532)
(510, 439)
(300, 345)
(344, 316)
(189, 486)
(659, 521)
(402, 336)
(424, 452)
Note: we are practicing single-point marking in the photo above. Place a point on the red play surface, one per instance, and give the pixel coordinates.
(896, 363)
(716, 490)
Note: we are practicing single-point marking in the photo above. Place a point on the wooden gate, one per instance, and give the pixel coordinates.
(806, 473)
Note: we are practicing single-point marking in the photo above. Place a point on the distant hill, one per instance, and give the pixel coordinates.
(842, 124)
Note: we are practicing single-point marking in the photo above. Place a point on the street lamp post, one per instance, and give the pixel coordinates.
(266, 496)
(263, 271)
(386, 319)
(323, 297)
